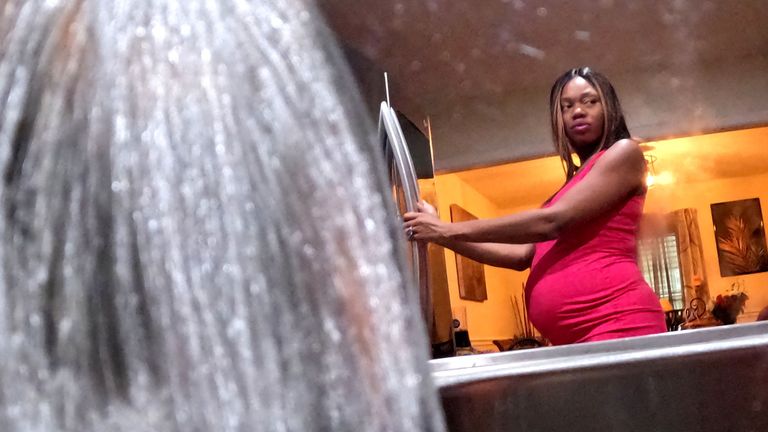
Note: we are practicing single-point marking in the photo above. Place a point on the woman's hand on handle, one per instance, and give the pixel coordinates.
(425, 207)
(424, 225)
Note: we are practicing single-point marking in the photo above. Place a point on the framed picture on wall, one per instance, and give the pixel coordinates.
(740, 237)
(471, 273)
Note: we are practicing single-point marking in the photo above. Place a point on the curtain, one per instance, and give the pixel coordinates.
(660, 267)
(685, 224)
(657, 257)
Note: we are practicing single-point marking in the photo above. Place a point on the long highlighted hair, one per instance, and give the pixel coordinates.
(614, 125)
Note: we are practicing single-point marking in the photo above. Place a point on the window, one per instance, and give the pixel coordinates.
(661, 267)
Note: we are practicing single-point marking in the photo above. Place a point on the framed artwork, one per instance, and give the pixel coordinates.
(471, 273)
(740, 237)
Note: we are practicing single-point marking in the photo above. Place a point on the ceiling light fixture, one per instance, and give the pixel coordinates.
(650, 175)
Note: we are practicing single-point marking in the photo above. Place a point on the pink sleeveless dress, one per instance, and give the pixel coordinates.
(586, 285)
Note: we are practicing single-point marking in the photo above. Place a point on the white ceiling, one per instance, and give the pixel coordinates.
(442, 55)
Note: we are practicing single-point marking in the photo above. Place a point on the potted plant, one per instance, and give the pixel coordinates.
(728, 307)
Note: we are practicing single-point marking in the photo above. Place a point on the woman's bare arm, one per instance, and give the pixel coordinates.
(511, 256)
(618, 174)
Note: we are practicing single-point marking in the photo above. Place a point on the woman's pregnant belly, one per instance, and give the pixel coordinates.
(583, 303)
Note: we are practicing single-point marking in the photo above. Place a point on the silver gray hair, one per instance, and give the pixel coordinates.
(196, 233)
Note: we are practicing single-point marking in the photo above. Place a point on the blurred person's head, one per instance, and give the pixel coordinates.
(195, 228)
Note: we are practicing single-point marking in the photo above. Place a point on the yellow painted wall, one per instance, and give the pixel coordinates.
(663, 199)
(493, 318)
(677, 157)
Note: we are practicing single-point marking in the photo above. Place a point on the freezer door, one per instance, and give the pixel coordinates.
(405, 192)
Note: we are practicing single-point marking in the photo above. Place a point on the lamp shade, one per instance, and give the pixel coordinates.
(666, 306)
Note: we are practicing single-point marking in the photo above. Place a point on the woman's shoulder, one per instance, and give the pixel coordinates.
(624, 153)
(624, 160)
(626, 146)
